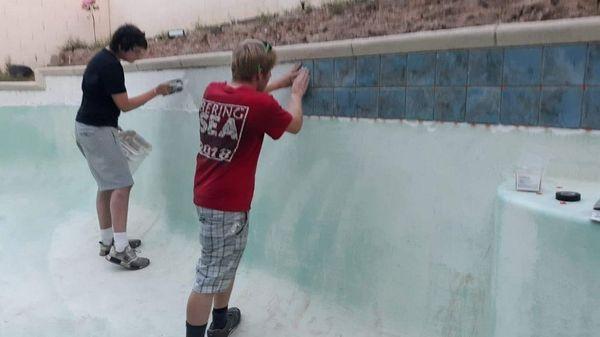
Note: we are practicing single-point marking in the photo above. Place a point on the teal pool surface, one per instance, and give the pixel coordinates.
(358, 227)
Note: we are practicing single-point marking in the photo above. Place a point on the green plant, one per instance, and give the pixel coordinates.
(7, 78)
(72, 44)
(7, 64)
(266, 18)
(199, 26)
(99, 44)
(213, 29)
(337, 7)
(162, 36)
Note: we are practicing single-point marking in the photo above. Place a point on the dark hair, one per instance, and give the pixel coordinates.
(128, 37)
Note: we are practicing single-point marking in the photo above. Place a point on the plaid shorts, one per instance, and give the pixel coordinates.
(223, 237)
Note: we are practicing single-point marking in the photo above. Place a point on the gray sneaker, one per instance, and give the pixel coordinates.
(234, 316)
(127, 259)
(105, 249)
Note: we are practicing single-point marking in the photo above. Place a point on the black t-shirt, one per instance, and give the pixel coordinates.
(102, 78)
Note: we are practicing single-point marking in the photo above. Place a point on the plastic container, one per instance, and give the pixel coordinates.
(134, 147)
(529, 179)
(175, 85)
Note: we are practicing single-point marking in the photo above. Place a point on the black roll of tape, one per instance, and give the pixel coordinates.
(568, 196)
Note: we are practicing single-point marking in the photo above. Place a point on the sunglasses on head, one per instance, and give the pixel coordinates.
(268, 46)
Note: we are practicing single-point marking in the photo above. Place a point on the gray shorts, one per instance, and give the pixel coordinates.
(223, 237)
(100, 147)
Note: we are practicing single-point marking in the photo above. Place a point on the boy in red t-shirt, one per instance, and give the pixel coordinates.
(234, 117)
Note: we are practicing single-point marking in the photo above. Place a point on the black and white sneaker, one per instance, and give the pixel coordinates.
(105, 249)
(127, 259)
(234, 316)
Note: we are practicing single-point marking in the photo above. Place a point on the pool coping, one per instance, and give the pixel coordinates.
(496, 35)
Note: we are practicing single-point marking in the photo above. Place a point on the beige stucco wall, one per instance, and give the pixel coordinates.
(155, 16)
(31, 31)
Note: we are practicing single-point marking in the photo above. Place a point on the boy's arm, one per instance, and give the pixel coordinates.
(126, 103)
(286, 80)
(295, 104)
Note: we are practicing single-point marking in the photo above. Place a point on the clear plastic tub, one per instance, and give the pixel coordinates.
(134, 147)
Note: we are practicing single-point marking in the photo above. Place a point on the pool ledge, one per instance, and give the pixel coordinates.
(546, 260)
(545, 203)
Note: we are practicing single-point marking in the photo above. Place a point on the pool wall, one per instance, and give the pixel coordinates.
(387, 213)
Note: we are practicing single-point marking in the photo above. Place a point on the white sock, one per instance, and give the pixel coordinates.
(106, 236)
(121, 241)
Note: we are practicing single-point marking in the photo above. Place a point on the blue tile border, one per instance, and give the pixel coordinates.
(323, 73)
(344, 72)
(452, 68)
(393, 70)
(483, 105)
(420, 69)
(419, 103)
(520, 106)
(367, 71)
(308, 102)
(344, 102)
(541, 85)
(561, 107)
(323, 101)
(591, 109)
(392, 103)
(450, 103)
(367, 102)
(485, 66)
(564, 65)
(593, 66)
(522, 66)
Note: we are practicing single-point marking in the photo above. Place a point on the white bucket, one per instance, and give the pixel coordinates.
(134, 147)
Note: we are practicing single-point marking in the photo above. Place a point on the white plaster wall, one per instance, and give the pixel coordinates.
(397, 216)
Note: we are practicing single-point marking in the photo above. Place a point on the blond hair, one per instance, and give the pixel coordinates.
(251, 57)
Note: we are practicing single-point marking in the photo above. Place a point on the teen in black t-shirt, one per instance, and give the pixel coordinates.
(103, 78)
(104, 97)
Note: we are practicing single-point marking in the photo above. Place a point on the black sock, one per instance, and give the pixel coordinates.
(219, 318)
(194, 331)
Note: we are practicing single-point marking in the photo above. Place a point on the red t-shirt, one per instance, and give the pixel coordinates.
(233, 122)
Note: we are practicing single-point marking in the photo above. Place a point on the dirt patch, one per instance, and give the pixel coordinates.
(354, 19)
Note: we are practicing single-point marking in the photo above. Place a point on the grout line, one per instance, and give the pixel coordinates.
(502, 86)
(584, 85)
(496, 34)
(541, 86)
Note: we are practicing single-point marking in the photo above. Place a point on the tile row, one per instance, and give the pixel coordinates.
(560, 106)
(551, 65)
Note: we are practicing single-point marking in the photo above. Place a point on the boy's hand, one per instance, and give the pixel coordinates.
(300, 83)
(163, 89)
(288, 79)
